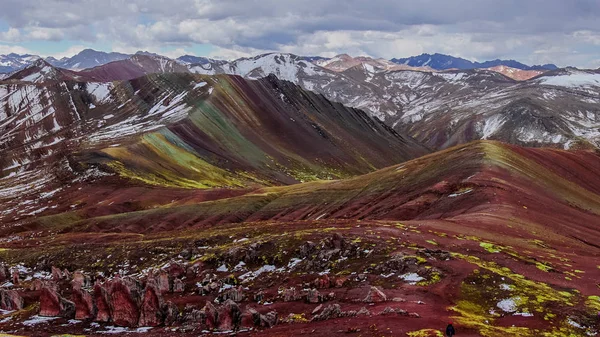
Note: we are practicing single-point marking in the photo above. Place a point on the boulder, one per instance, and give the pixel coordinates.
(171, 312)
(85, 308)
(151, 310)
(330, 312)
(230, 316)
(375, 296)
(124, 294)
(80, 280)
(313, 296)
(209, 316)
(102, 303)
(54, 305)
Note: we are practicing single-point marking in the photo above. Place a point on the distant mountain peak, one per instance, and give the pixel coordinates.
(443, 62)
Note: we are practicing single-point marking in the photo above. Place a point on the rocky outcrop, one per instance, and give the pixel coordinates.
(124, 294)
(102, 303)
(85, 307)
(151, 311)
(54, 305)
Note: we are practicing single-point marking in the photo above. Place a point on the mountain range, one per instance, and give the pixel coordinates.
(444, 62)
(89, 58)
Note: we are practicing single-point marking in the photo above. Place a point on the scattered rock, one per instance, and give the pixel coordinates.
(313, 296)
(330, 312)
(291, 295)
(363, 312)
(317, 309)
(414, 315)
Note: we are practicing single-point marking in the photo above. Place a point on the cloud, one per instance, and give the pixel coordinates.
(474, 29)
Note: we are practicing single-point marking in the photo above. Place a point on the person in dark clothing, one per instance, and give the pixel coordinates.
(450, 330)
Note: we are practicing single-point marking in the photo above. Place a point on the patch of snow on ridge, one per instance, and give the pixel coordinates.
(101, 91)
(200, 85)
(491, 126)
(573, 80)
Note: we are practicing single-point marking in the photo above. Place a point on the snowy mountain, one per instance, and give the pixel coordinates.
(87, 58)
(446, 108)
(444, 62)
(343, 62)
(13, 62)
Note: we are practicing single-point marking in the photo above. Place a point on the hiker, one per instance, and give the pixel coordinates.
(450, 330)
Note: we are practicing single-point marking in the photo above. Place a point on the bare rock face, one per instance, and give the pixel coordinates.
(10, 300)
(375, 296)
(102, 304)
(85, 307)
(151, 311)
(124, 294)
(54, 305)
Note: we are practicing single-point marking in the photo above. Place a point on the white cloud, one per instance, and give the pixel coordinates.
(473, 29)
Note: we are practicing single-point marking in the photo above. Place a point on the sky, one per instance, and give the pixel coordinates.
(531, 31)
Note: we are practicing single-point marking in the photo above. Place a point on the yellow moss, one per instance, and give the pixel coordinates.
(432, 242)
(490, 247)
(425, 333)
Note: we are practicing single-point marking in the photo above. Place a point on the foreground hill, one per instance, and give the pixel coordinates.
(495, 237)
